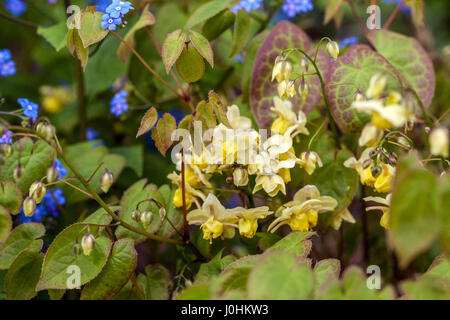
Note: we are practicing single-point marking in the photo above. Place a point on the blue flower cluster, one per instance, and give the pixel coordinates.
(247, 5)
(6, 137)
(7, 66)
(114, 14)
(48, 208)
(92, 135)
(15, 7)
(30, 109)
(62, 171)
(293, 7)
(119, 103)
(347, 42)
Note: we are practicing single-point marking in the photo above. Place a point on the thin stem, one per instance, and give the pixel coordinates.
(355, 14)
(82, 108)
(392, 16)
(183, 191)
(19, 21)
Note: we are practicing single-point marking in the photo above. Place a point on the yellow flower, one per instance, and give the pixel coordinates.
(301, 213)
(193, 178)
(384, 207)
(178, 199)
(286, 89)
(282, 69)
(247, 228)
(383, 182)
(212, 229)
(343, 215)
(370, 136)
(333, 49)
(439, 142)
(376, 86)
(271, 183)
(236, 120)
(287, 118)
(365, 174)
(240, 177)
(308, 160)
(248, 219)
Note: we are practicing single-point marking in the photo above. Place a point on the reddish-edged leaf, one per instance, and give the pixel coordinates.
(203, 47)
(148, 121)
(172, 47)
(162, 133)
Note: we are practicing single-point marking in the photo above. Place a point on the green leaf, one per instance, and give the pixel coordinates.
(155, 282)
(444, 190)
(219, 108)
(90, 30)
(202, 45)
(190, 65)
(35, 159)
(206, 11)
(331, 10)
(146, 19)
(218, 24)
(56, 35)
(76, 48)
(196, 292)
(60, 255)
(267, 239)
(115, 274)
(295, 243)
(414, 218)
(86, 159)
(209, 269)
(235, 275)
(172, 47)
(241, 32)
(22, 237)
(325, 271)
(128, 292)
(10, 197)
(162, 133)
(23, 275)
(426, 287)
(56, 294)
(357, 67)
(134, 156)
(410, 59)
(279, 276)
(5, 224)
(148, 121)
(204, 113)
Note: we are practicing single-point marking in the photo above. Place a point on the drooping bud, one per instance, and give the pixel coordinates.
(333, 49)
(282, 69)
(240, 177)
(46, 130)
(376, 86)
(37, 191)
(87, 244)
(106, 180)
(439, 142)
(52, 174)
(162, 212)
(135, 215)
(18, 172)
(146, 218)
(404, 142)
(375, 171)
(373, 154)
(7, 150)
(392, 159)
(29, 205)
(303, 89)
(304, 64)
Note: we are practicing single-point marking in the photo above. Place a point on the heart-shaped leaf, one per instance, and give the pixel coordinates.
(172, 47)
(148, 121)
(91, 30)
(162, 133)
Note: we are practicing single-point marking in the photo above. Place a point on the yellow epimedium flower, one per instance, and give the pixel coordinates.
(193, 179)
(240, 177)
(383, 182)
(236, 120)
(384, 207)
(286, 89)
(439, 142)
(248, 219)
(54, 99)
(282, 69)
(377, 86)
(370, 136)
(301, 213)
(270, 183)
(308, 161)
(343, 215)
(287, 118)
(215, 220)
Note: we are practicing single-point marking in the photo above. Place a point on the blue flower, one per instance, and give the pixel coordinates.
(62, 172)
(7, 68)
(48, 208)
(5, 55)
(16, 7)
(118, 8)
(247, 5)
(30, 109)
(91, 134)
(110, 23)
(348, 42)
(101, 4)
(119, 103)
(6, 138)
(293, 7)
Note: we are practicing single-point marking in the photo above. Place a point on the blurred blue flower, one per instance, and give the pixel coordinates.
(6, 137)
(16, 7)
(247, 5)
(101, 4)
(5, 55)
(7, 66)
(62, 171)
(294, 7)
(30, 109)
(348, 42)
(48, 208)
(119, 103)
(92, 135)
(118, 8)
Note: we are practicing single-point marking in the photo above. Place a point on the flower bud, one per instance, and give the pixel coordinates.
(303, 89)
(29, 205)
(18, 172)
(240, 177)
(7, 150)
(373, 154)
(135, 215)
(282, 69)
(146, 218)
(106, 180)
(52, 174)
(375, 171)
(87, 243)
(392, 159)
(333, 49)
(304, 64)
(46, 130)
(162, 212)
(439, 142)
(376, 86)
(37, 191)
(404, 142)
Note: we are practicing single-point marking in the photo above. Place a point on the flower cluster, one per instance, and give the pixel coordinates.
(7, 65)
(16, 7)
(119, 103)
(6, 137)
(62, 171)
(30, 109)
(48, 208)
(216, 221)
(293, 7)
(114, 14)
(247, 5)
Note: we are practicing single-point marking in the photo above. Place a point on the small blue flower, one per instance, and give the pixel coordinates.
(110, 23)
(119, 103)
(5, 55)
(293, 7)
(101, 4)
(52, 199)
(62, 171)
(16, 7)
(30, 109)
(348, 42)
(7, 68)
(6, 137)
(117, 9)
(247, 5)
(91, 134)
